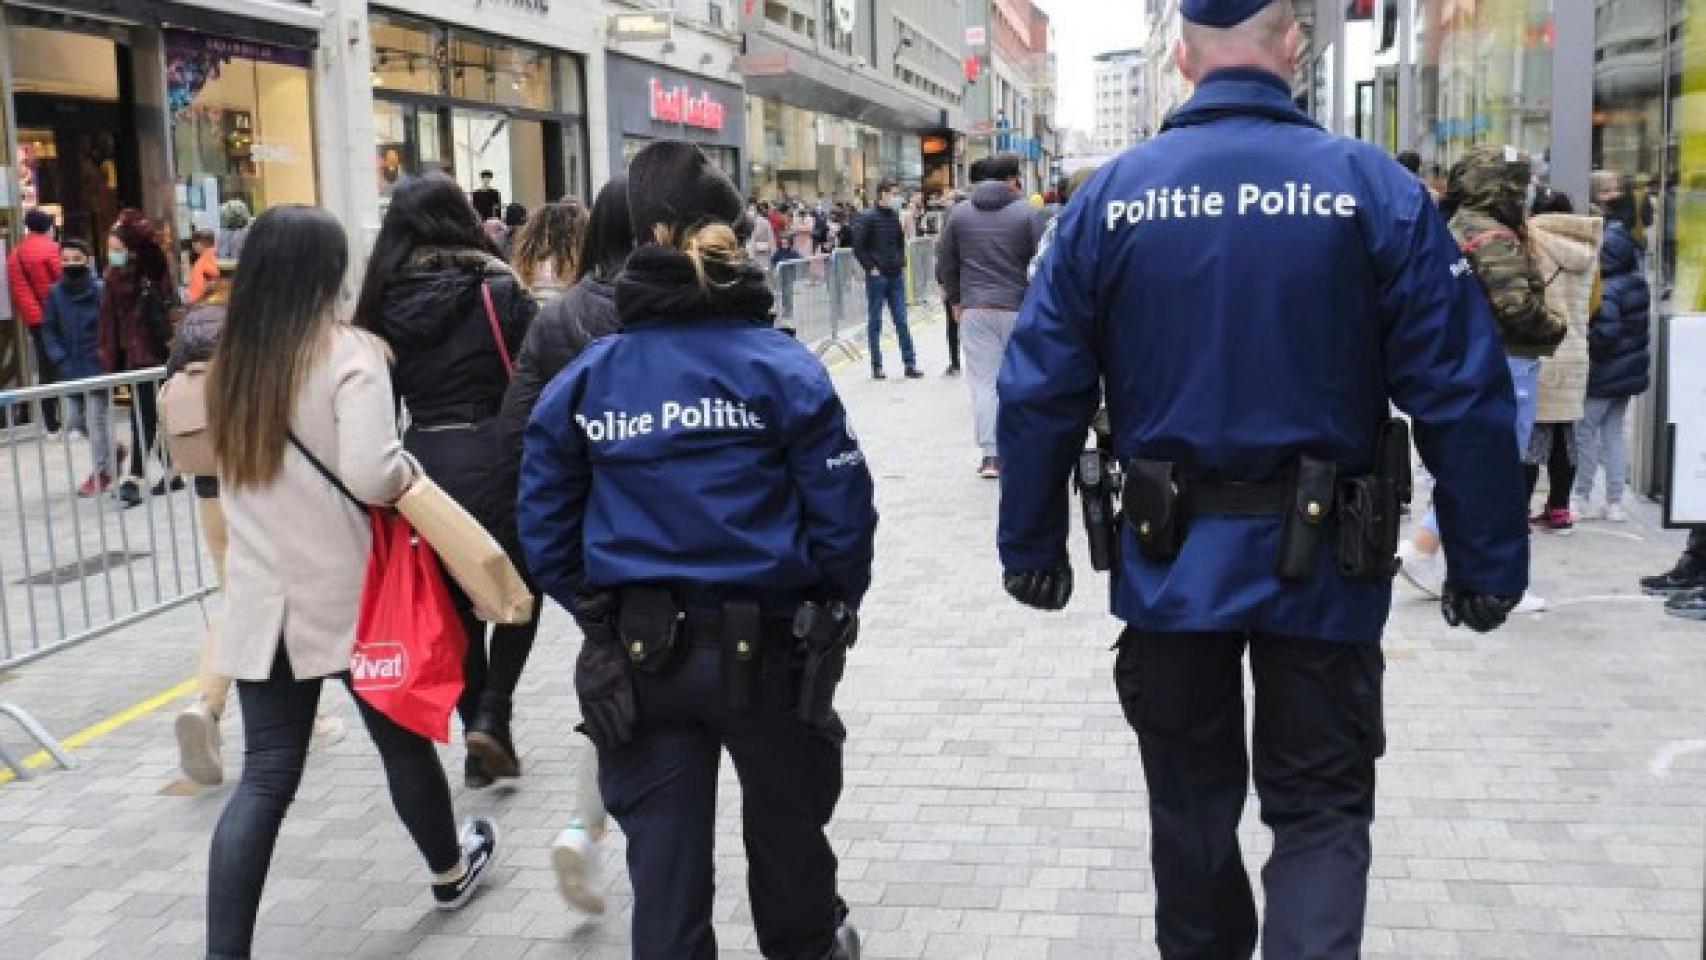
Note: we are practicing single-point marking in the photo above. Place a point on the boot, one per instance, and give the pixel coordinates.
(1688, 575)
(489, 738)
(474, 776)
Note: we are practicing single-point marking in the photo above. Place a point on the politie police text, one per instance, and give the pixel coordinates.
(1289, 199)
(706, 413)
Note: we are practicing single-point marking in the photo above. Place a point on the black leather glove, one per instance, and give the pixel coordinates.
(1480, 612)
(1043, 589)
(604, 678)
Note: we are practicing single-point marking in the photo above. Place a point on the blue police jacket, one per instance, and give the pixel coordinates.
(1247, 288)
(712, 455)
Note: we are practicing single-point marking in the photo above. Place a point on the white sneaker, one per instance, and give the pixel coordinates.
(1531, 603)
(198, 746)
(1614, 513)
(1587, 510)
(572, 856)
(1424, 571)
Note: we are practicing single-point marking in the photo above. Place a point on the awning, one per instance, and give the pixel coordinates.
(285, 22)
(786, 74)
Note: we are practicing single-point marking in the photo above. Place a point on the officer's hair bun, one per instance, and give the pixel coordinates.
(713, 249)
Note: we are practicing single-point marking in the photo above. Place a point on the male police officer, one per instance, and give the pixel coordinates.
(1249, 291)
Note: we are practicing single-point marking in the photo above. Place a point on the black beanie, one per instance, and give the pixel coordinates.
(672, 183)
(38, 221)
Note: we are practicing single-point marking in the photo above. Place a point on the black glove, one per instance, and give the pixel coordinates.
(604, 679)
(1043, 589)
(1479, 612)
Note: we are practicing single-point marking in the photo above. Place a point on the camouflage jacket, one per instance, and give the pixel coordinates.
(1488, 186)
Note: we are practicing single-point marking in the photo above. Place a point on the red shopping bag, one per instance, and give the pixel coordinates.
(409, 643)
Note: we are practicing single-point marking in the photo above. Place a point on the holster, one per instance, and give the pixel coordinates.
(825, 632)
(1097, 488)
(1303, 529)
(1155, 505)
(743, 625)
(651, 626)
(1370, 509)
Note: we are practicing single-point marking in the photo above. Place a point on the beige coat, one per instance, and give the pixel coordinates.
(298, 549)
(1566, 253)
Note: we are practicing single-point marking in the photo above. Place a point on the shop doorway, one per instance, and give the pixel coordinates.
(74, 159)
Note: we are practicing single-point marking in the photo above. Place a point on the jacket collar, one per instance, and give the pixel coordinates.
(1239, 92)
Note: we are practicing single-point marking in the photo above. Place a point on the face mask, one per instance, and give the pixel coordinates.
(78, 271)
(897, 204)
(118, 258)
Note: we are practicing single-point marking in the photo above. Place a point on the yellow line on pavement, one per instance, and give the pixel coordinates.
(130, 714)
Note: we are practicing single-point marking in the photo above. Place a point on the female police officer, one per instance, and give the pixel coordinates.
(686, 486)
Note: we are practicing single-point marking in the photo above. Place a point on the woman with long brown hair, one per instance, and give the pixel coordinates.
(300, 408)
(134, 331)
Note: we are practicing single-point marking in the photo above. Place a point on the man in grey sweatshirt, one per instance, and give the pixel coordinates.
(982, 260)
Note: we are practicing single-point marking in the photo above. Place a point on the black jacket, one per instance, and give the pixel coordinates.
(878, 241)
(451, 376)
(584, 313)
(1619, 338)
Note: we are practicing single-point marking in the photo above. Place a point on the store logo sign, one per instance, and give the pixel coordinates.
(525, 6)
(679, 105)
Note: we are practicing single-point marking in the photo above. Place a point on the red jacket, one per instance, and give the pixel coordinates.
(32, 270)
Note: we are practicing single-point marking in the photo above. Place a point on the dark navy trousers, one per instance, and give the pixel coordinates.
(662, 789)
(1317, 733)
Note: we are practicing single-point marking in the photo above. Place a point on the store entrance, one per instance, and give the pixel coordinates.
(74, 159)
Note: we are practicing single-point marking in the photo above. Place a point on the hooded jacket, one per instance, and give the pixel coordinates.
(1487, 193)
(1619, 340)
(984, 254)
(450, 373)
(1566, 252)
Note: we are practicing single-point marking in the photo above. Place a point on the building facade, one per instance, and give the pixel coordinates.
(1122, 100)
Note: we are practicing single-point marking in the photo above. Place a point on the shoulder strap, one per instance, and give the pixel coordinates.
(497, 330)
(331, 477)
(1485, 237)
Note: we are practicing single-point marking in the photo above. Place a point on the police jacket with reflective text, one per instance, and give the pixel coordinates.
(1248, 289)
(706, 452)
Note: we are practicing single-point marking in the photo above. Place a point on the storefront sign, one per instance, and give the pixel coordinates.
(774, 64)
(183, 44)
(679, 105)
(639, 27)
(525, 6)
(976, 36)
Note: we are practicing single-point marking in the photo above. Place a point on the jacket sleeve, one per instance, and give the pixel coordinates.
(1445, 367)
(23, 292)
(1514, 288)
(862, 242)
(834, 485)
(371, 461)
(1606, 326)
(1049, 386)
(551, 497)
(948, 261)
(52, 335)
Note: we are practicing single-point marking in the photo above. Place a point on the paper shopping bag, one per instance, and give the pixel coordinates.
(470, 554)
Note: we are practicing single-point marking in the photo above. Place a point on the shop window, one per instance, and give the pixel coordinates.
(242, 128)
(407, 57)
(1484, 76)
(501, 73)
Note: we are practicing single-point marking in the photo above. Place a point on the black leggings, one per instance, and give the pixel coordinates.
(144, 421)
(1560, 472)
(953, 326)
(278, 720)
(499, 670)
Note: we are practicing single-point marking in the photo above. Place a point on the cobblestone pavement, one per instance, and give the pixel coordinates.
(1542, 796)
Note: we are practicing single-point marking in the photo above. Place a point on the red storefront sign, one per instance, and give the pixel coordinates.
(679, 105)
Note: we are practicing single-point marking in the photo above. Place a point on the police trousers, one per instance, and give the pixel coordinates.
(1318, 731)
(662, 790)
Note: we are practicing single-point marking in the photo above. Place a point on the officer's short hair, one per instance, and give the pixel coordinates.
(1002, 166)
(978, 171)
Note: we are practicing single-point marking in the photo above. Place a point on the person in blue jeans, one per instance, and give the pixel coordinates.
(879, 243)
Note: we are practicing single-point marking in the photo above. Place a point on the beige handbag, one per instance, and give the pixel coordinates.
(469, 553)
(183, 422)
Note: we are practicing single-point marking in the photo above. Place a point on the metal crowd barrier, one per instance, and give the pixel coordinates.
(822, 298)
(921, 270)
(76, 564)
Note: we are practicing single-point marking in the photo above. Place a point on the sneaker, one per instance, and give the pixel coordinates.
(913, 373)
(1686, 576)
(952, 371)
(1530, 603)
(1614, 513)
(990, 468)
(1586, 510)
(1690, 605)
(1424, 571)
(572, 858)
(847, 946)
(130, 493)
(198, 746)
(96, 484)
(479, 851)
(1559, 521)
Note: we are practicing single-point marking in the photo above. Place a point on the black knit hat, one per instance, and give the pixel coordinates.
(672, 183)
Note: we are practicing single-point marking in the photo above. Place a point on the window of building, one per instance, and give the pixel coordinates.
(1484, 76)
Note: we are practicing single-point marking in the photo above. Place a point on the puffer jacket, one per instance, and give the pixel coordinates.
(451, 376)
(1566, 251)
(1619, 341)
(583, 314)
(1487, 191)
(70, 327)
(983, 258)
(878, 242)
(198, 336)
